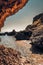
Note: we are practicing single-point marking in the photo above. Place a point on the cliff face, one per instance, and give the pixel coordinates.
(9, 7)
(37, 31)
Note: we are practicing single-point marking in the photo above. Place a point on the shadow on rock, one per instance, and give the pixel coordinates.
(36, 50)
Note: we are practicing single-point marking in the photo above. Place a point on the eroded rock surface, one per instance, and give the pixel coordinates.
(37, 31)
(9, 7)
(9, 56)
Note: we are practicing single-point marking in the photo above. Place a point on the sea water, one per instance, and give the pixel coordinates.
(8, 41)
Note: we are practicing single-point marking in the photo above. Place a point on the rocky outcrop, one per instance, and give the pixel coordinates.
(37, 32)
(23, 35)
(12, 33)
(9, 7)
(9, 56)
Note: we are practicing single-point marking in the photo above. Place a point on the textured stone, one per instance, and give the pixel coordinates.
(37, 33)
(9, 56)
(10, 7)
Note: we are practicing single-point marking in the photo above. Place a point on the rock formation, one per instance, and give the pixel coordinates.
(12, 33)
(9, 7)
(23, 35)
(37, 31)
(9, 56)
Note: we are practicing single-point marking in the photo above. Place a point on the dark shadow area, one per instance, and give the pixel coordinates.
(21, 35)
(36, 50)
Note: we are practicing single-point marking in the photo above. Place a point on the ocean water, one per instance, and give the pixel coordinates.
(21, 46)
(8, 41)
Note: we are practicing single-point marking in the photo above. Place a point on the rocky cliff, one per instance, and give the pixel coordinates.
(34, 32)
(37, 31)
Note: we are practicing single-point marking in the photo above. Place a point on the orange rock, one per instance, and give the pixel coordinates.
(10, 7)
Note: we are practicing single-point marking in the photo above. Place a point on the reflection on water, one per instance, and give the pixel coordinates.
(8, 41)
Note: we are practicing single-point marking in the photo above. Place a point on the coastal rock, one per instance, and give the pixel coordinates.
(23, 35)
(37, 33)
(12, 33)
(9, 56)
